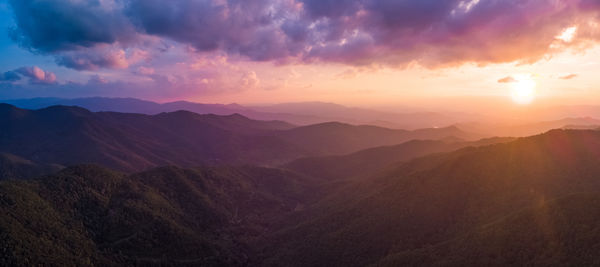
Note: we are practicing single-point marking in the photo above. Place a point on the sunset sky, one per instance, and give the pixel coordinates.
(355, 52)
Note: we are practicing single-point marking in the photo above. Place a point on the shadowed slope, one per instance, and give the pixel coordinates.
(442, 197)
(373, 160)
(87, 215)
(562, 231)
(15, 167)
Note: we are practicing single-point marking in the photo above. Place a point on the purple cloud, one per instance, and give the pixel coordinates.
(37, 75)
(9, 76)
(431, 33)
(50, 26)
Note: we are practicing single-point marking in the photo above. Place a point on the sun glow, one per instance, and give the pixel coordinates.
(567, 34)
(523, 90)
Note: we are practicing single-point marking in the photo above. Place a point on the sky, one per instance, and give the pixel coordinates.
(354, 52)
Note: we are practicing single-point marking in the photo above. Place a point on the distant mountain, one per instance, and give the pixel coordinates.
(335, 112)
(581, 127)
(532, 201)
(374, 160)
(89, 216)
(296, 113)
(72, 135)
(527, 129)
(573, 111)
(340, 138)
(129, 142)
(126, 105)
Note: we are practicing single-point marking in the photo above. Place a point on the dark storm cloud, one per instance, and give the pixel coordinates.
(432, 33)
(9, 76)
(244, 27)
(57, 25)
(93, 60)
(331, 8)
(196, 22)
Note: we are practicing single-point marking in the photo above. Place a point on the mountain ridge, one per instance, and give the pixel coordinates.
(308, 114)
(68, 135)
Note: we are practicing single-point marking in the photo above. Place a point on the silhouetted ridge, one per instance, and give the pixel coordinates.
(8, 112)
(296, 113)
(130, 142)
(75, 110)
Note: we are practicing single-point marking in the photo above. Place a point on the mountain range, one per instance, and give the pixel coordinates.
(302, 113)
(529, 201)
(133, 142)
(524, 123)
(183, 189)
(527, 129)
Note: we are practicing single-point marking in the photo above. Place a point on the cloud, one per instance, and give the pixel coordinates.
(110, 58)
(144, 70)
(9, 76)
(37, 75)
(393, 33)
(161, 87)
(507, 79)
(347, 74)
(114, 59)
(249, 80)
(442, 33)
(97, 79)
(63, 25)
(568, 77)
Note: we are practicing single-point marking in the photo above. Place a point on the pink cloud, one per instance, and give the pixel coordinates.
(568, 77)
(37, 75)
(145, 70)
(507, 79)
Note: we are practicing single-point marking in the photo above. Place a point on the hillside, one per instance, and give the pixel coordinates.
(87, 215)
(561, 231)
(429, 203)
(531, 201)
(15, 167)
(373, 160)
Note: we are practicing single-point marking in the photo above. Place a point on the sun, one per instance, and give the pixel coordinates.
(523, 90)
